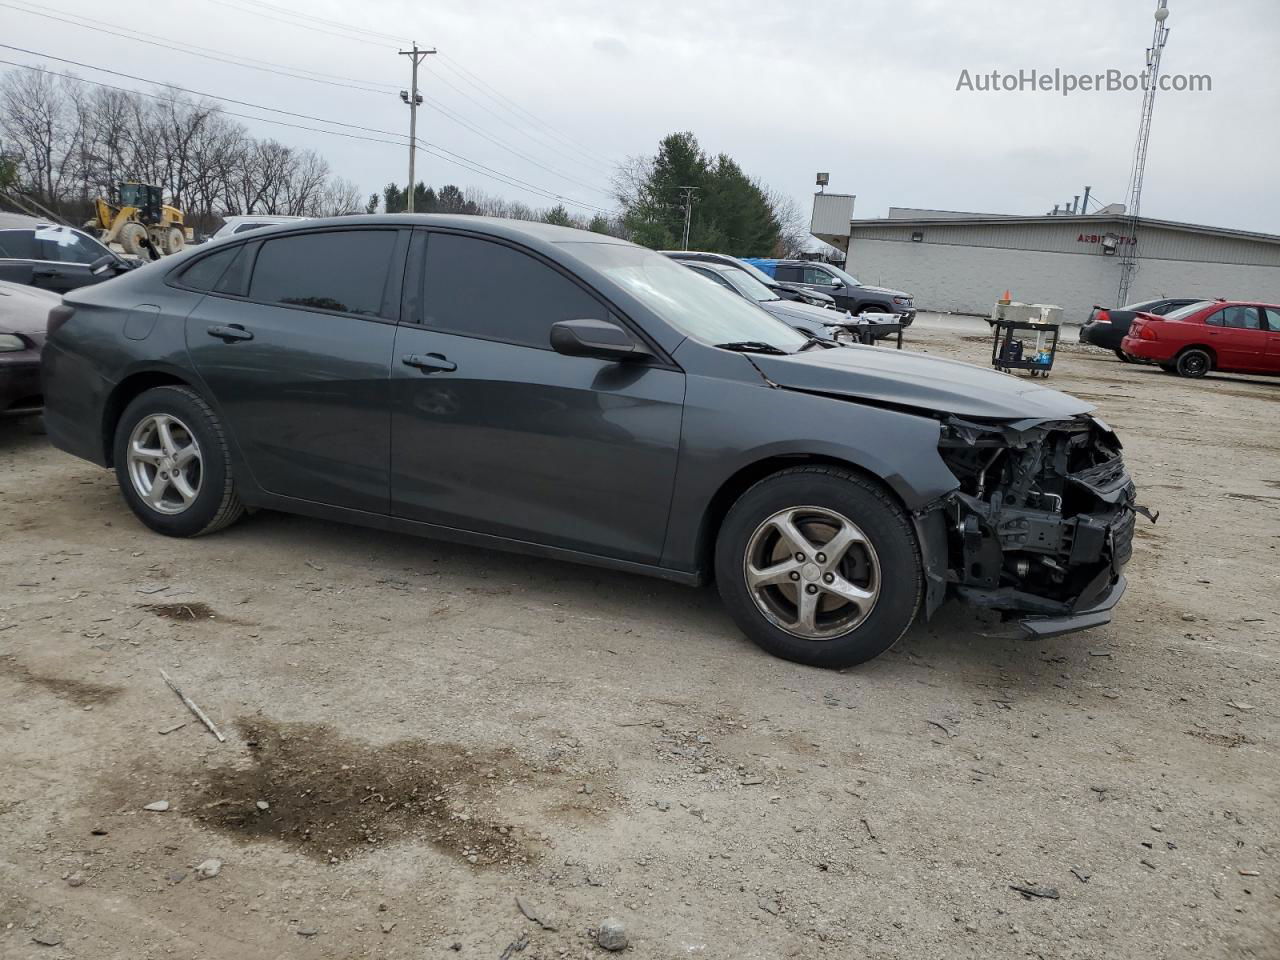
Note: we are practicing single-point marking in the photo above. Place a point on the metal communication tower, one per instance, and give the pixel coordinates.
(1129, 243)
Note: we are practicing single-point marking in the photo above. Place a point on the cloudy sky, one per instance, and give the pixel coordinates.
(865, 90)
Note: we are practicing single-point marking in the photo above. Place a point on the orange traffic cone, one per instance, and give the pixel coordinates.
(1006, 298)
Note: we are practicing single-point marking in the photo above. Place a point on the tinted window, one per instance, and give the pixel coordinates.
(246, 227)
(18, 244)
(1242, 318)
(1217, 319)
(715, 277)
(64, 245)
(205, 272)
(482, 289)
(789, 274)
(345, 270)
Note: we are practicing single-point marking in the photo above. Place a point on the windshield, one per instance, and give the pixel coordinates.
(698, 309)
(1188, 310)
(748, 286)
(848, 278)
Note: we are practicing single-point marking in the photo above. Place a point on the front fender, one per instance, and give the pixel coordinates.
(721, 439)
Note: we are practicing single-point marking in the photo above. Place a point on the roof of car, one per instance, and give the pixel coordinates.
(524, 230)
(19, 221)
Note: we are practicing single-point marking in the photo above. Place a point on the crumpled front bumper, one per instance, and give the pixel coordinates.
(1089, 613)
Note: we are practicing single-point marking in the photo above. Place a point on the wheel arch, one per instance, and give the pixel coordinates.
(123, 394)
(1213, 354)
(748, 476)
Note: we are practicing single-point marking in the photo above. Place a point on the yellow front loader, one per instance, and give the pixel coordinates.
(141, 221)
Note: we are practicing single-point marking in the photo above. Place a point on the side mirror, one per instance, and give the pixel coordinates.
(836, 282)
(601, 339)
(101, 265)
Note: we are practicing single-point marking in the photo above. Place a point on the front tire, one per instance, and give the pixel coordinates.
(173, 463)
(1194, 363)
(820, 566)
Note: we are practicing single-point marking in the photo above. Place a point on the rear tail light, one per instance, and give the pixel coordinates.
(1146, 332)
(1102, 316)
(57, 317)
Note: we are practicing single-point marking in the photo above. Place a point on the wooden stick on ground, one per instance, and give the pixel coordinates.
(191, 705)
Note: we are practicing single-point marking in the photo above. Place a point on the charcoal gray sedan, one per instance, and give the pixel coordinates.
(572, 396)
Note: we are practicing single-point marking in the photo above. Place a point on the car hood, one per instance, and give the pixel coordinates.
(801, 288)
(885, 290)
(25, 309)
(793, 310)
(909, 379)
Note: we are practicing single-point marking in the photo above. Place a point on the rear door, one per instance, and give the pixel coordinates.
(17, 255)
(1237, 335)
(294, 344)
(65, 255)
(1272, 360)
(495, 432)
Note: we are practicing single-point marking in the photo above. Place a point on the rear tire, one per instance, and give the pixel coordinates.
(857, 588)
(173, 463)
(1194, 362)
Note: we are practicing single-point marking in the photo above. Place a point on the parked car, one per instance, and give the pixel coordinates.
(826, 324)
(1107, 326)
(233, 226)
(629, 414)
(787, 291)
(53, 257)
(1230, 336)
(23, 313)
(843, 287)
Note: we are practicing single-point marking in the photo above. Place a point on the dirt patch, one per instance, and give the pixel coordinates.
(1227, 740)
(183, 612)
(332, 798)
(80, 692)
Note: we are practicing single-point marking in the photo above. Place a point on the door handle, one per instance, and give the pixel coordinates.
(230, 332)
(429, 362)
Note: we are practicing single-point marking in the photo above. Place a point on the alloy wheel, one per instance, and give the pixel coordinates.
(164, 463)
(812, 572)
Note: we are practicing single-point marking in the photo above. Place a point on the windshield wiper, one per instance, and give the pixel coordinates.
(815, 341)
(751, 346)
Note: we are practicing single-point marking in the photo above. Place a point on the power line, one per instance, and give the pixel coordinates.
(332, 23)
(350, 33)
(210, 54)
(353, 85)
(575, 157)
(512, 107)
(434, 149)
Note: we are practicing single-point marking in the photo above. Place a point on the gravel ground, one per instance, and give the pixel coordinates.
(418, 734)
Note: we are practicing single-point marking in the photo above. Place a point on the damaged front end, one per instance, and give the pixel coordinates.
(1042, 521)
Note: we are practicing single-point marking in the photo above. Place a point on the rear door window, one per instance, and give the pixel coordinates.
(1242, 318)
(788, 274)
(344, 271)
(64, 245)
(478, 288)
(17, 244)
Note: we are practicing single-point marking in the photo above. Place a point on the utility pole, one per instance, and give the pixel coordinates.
(688, 213)
(1129, 250)
(414, 100)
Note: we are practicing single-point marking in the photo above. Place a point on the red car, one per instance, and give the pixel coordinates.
(1232, 336)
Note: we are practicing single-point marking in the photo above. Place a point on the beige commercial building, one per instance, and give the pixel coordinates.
(962, 262)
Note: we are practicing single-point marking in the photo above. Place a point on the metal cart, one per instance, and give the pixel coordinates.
(1009, 353)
